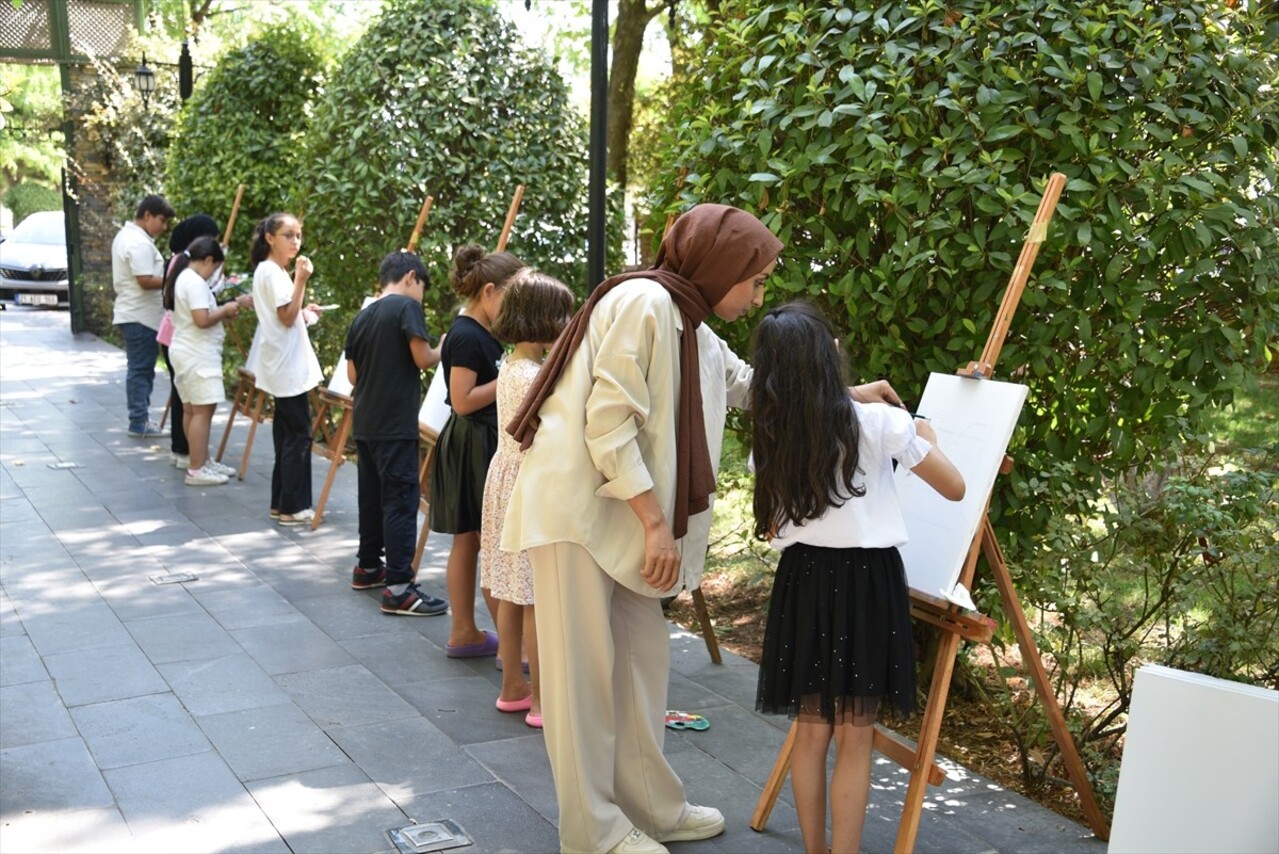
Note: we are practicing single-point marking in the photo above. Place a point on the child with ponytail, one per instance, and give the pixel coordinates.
(282, 360)
(469, 358)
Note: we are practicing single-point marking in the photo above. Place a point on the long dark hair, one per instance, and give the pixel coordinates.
(805, 434)
(200, 248)
(260, 250)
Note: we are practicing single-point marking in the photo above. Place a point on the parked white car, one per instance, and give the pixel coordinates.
(33, 261)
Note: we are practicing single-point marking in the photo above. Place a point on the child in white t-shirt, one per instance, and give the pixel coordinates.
(196, 349)
(283, 362)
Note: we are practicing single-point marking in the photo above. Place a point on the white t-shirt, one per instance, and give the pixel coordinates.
(281, 359)
(874, 520)
(195, 350)
(133, 254)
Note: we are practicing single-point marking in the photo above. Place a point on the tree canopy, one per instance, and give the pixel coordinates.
(900, 152)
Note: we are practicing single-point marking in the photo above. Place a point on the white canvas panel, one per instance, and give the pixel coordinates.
(1200, 770)
(339, 383)
(974, 420)
(435, 411)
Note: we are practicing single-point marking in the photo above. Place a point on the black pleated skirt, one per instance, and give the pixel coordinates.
(462, 455)
(837, 642)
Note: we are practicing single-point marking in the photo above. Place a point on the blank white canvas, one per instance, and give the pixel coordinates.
(339, 383)
(1200, 770)
(435, 411)
(974, 420)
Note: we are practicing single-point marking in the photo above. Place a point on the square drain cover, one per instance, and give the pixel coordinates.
(173, 578)
(439, 835)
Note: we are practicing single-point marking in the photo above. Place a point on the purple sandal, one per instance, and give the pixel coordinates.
(486, 647)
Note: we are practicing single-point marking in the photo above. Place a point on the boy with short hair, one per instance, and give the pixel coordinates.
(137, 275)
(387, 348)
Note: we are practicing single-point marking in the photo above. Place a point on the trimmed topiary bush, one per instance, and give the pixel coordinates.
(439, 97)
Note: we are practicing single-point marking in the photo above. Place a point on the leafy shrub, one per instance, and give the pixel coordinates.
(247, 124)
(439, 97)
(900, 151)
(27, 198)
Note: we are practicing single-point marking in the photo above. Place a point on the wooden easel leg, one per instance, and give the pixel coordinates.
(773, 788)
(168, 404)
(336, 459)
(255, 419)
(1030, 656)
(929, 730)
(708, 631)
(230, 419)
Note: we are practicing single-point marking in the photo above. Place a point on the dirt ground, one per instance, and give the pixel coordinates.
(968, 735)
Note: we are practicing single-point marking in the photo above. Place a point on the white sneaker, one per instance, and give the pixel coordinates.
(701, 823)
(180, 461)
(204, 477)
(638, 842)
(215, 466)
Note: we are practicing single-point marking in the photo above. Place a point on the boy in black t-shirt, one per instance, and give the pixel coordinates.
(387, 348)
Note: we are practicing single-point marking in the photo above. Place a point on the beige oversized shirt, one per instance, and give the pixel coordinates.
(607, 434)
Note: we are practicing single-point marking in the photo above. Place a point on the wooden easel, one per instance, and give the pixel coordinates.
(957, 624)
(334, 410)
(428, 437)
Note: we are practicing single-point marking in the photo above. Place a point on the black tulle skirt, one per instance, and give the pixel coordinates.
(837, 643)
(462, 455)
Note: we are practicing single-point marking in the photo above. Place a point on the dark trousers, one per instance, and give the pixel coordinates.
(388, 496)
(178, 434)
(291, 478)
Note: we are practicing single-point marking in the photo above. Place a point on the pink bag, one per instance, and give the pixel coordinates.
(165, 333)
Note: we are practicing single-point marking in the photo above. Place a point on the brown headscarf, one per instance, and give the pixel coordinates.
(710, 249)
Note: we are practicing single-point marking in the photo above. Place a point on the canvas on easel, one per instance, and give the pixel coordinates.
(974, 420)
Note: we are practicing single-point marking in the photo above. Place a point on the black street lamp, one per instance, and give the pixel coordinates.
(144, 77)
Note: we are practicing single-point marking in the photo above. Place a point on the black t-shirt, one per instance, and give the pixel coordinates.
(388, 384)
(470, 345)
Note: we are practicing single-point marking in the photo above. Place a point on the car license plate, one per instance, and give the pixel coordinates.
(37, 299)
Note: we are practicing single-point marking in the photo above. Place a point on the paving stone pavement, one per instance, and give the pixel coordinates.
(266, 706)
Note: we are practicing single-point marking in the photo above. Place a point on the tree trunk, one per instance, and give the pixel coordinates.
(628, 40)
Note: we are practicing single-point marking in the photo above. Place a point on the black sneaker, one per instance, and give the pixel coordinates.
(412, 603)
(367, 579)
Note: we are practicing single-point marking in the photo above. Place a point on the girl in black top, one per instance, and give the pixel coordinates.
(469, 359)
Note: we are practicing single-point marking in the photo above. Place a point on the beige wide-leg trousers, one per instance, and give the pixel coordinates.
(604, 653)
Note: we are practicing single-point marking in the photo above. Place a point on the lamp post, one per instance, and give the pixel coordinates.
(144, 77)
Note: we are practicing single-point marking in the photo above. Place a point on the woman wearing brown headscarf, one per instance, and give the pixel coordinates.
(618, 462)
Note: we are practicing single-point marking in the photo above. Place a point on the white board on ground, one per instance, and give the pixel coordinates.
(339, 383)
(435, 411)
(1200, 770)
(974, 420)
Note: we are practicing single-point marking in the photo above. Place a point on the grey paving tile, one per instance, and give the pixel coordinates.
(33, 712)
(290, 647)
(103, 673)
(522, 764)
(408, 757)
(492, 814)
(710, 782)
(338, 696)
(135, 597)
(463, 709)
(401, 658)
(191, 803)
(19, 662)
(691, 695)
(332, 809)
(229, 683)
(72, 829)
(10, 622)
(348, 614)
(76, 621)
(743, 741)
(137, 730)
(182, 637)
(254, 604)
(18, 511)
(270, 741)
(50, 775)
